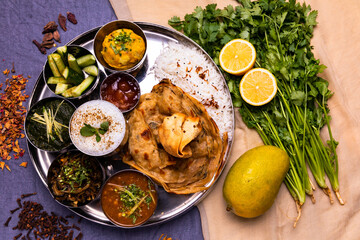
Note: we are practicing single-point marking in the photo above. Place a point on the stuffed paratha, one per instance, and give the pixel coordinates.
(146, 152)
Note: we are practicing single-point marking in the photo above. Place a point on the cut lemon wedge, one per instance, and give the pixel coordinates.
(237, 57)
(258, 87)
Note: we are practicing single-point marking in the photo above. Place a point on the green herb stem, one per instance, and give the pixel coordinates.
(137, 205)
(281, 32)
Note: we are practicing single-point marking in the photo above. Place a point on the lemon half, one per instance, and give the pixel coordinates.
(237, 57)
(258, 86)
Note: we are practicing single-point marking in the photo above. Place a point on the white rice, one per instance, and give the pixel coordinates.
(94, 113)
(189, 69)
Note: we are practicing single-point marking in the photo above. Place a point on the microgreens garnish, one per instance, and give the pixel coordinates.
(88, 130)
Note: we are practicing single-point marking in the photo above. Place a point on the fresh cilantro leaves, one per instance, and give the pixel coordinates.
(281, 32)
(88, 130)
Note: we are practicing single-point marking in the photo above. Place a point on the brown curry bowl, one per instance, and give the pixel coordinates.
(129, 198)
(74, 179)
(106, 30)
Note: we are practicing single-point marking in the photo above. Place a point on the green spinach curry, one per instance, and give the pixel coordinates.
(47, 124)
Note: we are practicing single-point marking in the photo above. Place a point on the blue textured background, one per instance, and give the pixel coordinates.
(20, 23)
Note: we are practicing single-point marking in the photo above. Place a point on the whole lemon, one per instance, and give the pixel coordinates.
(254, 180)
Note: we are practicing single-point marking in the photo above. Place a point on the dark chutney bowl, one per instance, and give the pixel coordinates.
(121, 89)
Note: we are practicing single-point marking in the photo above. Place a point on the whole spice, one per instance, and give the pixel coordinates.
(6, 224)
(79, 237)
(38, 45)
(48, 36)
(57, 36)
(12, 115)
(48, 44)
(62, 22)
(14, 210)
(50, 27)
(35, 220)
(19, 202)
(28, 195)
(51, 32)
(17, 236)
(71, 17)
(13, 68)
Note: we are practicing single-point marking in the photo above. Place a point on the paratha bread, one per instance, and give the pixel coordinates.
(147, 147)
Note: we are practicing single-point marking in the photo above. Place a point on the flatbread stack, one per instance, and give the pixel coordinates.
(173, 139)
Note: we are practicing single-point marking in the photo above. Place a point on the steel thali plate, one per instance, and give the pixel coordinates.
(169, 205)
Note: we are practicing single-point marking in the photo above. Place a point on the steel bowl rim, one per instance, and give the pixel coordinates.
(141, 173)
(130, 76)
(72, 116)
(94, 158)
(106, 65)
(28, 113)
(88, 91)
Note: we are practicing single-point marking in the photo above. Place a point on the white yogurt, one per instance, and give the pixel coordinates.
(94, 113)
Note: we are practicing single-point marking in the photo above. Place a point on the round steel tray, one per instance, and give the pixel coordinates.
(169, 205)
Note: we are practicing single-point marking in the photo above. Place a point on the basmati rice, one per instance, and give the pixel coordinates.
(189, 69)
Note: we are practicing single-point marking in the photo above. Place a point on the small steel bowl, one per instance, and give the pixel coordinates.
(56, 169)
(76, 51)
(106, 30)
(91, 112)
(126, 182)
(28, 127)
(129, 78)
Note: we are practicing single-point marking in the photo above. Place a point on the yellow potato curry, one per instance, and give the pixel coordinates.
(123, 49)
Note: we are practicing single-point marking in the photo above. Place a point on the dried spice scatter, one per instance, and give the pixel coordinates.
(6, 72)
(38, 45)
(48, 44)
(34, 220)
(50, 27)
(13, 68)
(71, 17)
(6, 224)
(48, 36)
(51, 32)
(12, 115)
(7, 167)
(23, 164)
(2, 165)
(56, 35)
(28, 195)
(62, 22)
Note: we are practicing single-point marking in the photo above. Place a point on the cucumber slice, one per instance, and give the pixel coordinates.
(65, 73)
(91, 70)
(73, 64)
(61, 87)
(71, 76)
(56, 80)
(58, 61)
(69, 92)
(53, 66)
(83, 86)
(62, 51)
(86, 60)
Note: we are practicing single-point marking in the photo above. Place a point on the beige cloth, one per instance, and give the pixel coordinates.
(337, 45)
